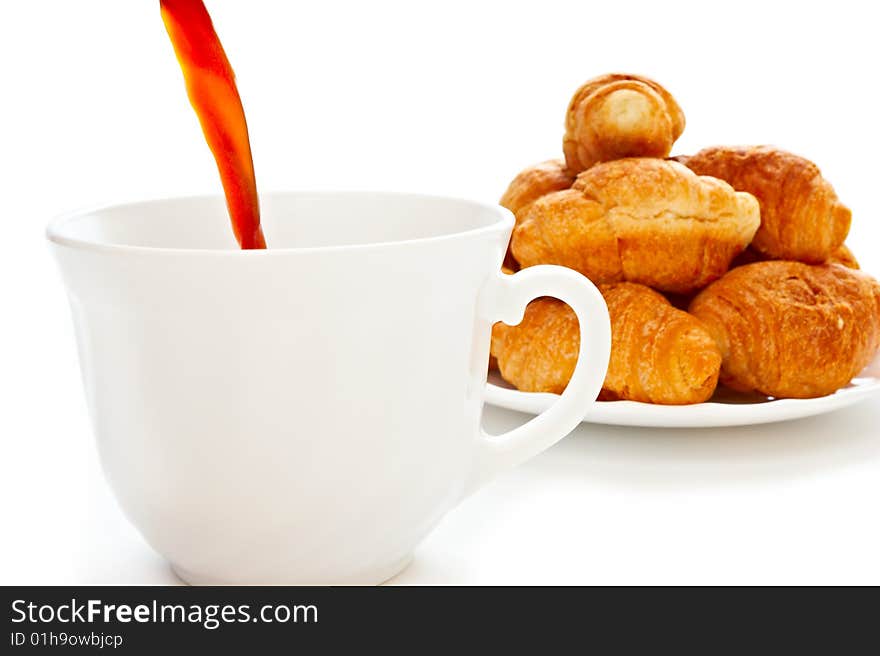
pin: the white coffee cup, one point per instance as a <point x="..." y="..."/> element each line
<point x="305" y="414"/>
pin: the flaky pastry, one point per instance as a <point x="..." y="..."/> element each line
<point x="617" y="115"/>
<point x="658" y="354"/>
<point x="789" y="329"/>
<point x="843" y="256"/>
<point x="641" y="220"/>
<point x="529" y="185"/>
<point x="536" y="181"/>
<point x="801" y="217"/>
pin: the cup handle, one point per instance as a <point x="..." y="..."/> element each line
<point x="504" y="298"/>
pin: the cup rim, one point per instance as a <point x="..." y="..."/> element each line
<point x="504" y="220"/>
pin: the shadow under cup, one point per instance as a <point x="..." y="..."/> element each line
<point x="304" y="414"/>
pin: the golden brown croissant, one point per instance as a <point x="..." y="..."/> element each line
<point x="658" y="354"/>
<point x="536" y="181"/>
<point x="641" y="220"/>
<point x="539" y="353"/>
<point x="788" y="329"/>
<point x="843" y="256"/>
<point x="617" y="115"/>
<point x="529" y="185"/>
<point x="801" y="216"/>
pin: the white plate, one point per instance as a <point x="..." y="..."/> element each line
<point x="726" y="408"/>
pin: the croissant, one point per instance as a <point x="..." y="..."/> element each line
<point x="658" y="354"/>
<point x="801" y="216"/>
<point x="843" y="256"/>
<point x="640" y="220"/>
<point x="789" y="329"/>
<point x="536" y="181"/>
<point x="617" y="115"/>
<point x="529" y="185"/>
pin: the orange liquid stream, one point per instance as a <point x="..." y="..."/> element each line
<point x="210" y="85"/>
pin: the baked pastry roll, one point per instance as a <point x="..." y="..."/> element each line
<point x="536" y="181"/>
<point x="845" y="257"/>
<point x="789" y="329"/>
<point x="617" y="115"/>
<point x="801" y="217"/>
<point x="658" y="354"/>
<point x="529" y="185"/>
<point x="639" y="220"/>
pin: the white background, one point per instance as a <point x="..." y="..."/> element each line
<point x="448" y="98"/>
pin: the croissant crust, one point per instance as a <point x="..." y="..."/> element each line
<point x="843" y="256"/>
<point x="658" y="354"/>
<point x="536" y="181"/>
<point x="528" y="186"/>
<point x="616" y="116"/>
<point x="801" y="217"/>
<point x="639" y="220"/>
<point x="789" y="329"/>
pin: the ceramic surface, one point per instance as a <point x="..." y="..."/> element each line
<point x="305" y="414"/>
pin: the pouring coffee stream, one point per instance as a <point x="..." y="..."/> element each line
<point x="210" y="85"/>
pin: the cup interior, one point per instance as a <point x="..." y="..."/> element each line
<point x="291" y="220"/>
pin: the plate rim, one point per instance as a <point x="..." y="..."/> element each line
<point x="709" y="414"/>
